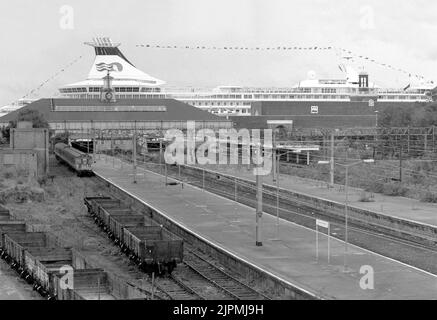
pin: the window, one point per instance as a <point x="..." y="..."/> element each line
<point x="149" y="108"/>
<point x="329" y="90"/>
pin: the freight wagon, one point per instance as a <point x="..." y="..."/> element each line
<point x="98" y="208"/>
<point x="15" y="245"/>
<point x="89" y="202"/>
<point x="152" y="248"/>
<point x="117" y="223"/>
<point x="39" y="260"/>
<point x="4" y="214"/>
<point x="32" y="255"/>
<point x="77" y="160"/>
<point x="46" y="268"/>
<point x="89" y="284"/>
<point x="10" y="226"/>
<point x="104" y="212"/>
<point x="41" y="263"/>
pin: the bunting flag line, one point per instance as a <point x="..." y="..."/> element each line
<point x="282" y="48"/>
<point x="55" y="75"/>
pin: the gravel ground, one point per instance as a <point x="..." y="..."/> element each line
<point x="13" y="287"/>
<point x="63" y="213"/>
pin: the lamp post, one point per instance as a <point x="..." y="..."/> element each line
<point x="134" y="157"/>
<point x="259" y="198"/>
<point x="376" y="118"/>
<point x="346" y="205"/>
<point x="276" y="159"/>
<point x="274" y="150"/>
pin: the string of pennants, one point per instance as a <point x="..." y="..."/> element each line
<point x="284" y="48"/>
<point x="229" y="47"/>
<point x="386" y="65"/>
<point x="55" y="75"/>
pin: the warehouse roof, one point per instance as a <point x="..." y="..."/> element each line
<point x="55" y="110"/>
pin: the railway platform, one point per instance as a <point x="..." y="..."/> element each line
<point x="399" y="207"/>
<point x="231" y="227"/>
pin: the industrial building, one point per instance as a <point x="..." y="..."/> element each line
<point x="84" y="115"/>
<point x="317" y="114"/>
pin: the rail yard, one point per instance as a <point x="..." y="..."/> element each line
<point x="127" y="225"/>
<point x="236" y="188"/>
<point x="120" y="246"/>
<point x="196" y="276"/>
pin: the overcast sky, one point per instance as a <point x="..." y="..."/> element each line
<point x="38" y="39"/>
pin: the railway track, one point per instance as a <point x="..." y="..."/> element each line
<point x="392" y="246"/>
<point x="175" y="289"/>
<point x="198" y="274"/>
<point x="191" y="277"/>
<point x="232" y="287"/>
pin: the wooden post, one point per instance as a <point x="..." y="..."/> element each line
<point x="112" y="150"/>
<point x="426" y="142"/>
<point x="166" y="174"/>
<point x="98" y="287"/>
<point x="400" y="163"/>
<point x="433" y="139"/>
<point x="160" y="156"/>
<point x="259" y="209"/>
<point x="134" y="155"/>
<point x="153" y="285"/>
<point x="274" y="157"/>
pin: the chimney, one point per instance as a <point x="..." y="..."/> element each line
<point x="363" y="81"/>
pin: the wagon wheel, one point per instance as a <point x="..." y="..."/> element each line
<point x="170" y="267"/>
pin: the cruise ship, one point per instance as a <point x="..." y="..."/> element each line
<point x="15" y="105"/>
<point x="131" y="83"/>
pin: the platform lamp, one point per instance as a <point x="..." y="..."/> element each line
<point x="346" y="204"/>
<point x="277" y="156"/>
<point x="134" y="154"/>
<point x="259" y="198"/>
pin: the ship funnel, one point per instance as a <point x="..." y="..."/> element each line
<point x="363" y="81"/>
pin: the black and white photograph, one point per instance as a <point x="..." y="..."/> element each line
<point x="218" y="159"/>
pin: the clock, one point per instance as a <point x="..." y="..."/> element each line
<point x="109" y="95"/>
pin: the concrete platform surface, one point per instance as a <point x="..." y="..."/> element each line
<point x="400" y="207"/>
<point x="231" y="226"/>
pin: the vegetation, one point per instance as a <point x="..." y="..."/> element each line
<point x="419" y="174"/>
<point x="418" y="115"/>
<point x="418" y="157"/>
<point x="60" y="137"/>
<point x="33" y="116"/>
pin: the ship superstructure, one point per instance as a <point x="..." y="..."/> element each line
<point x="129" y="82"/>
